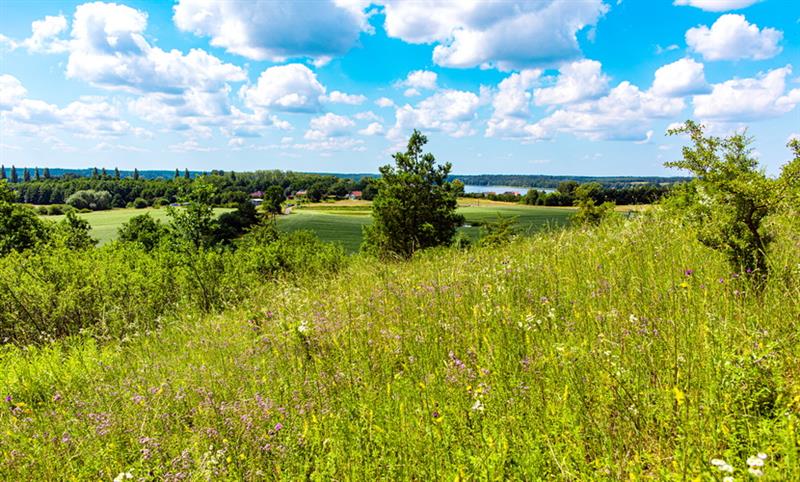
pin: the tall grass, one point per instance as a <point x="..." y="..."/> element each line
<point x="626" y="351"/>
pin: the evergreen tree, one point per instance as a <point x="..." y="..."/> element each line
<point x="104" y="173"/>
<point x="415" y="207"/>
<point x="135" y="174"/>
<point x="186" y="174"/>
<point x="36" y="175"/>
<point x="95" y="174"/>
<point x="26" y="175"/>
<point x="46" y="173"/>
<point x="14" y="178"/>
<point x="177" y="174"/>
<point x="2" y="172"/>
<point x="116" y="173"/>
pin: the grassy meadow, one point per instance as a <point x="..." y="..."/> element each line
<point x="629" y="351"/>
<point x="341" y="222"/>
<point x="106" y="223"/>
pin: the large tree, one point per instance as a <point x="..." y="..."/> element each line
<point x="415" y="207"/>
<point x="20" y="227"/>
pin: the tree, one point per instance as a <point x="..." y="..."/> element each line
<point x="415" y="207"/>
<point x="95" y="174"/>
<point x="46" y="173"/>
<point x="36" y="175"/>
<point x="316" y="191"/>
<point x="14" y="179"/>
<point x="143" y="229"/>
<point x="89" y="199"/>
<point x="186" y="174"/>
<point x="729" y="198"/>
<point x="73" y="232"/>
<point x="177" y="174"/>
<point x="273" y="199"/>
<point x="103" y="173"/>
<point x="116" y="173"/>
<point x="2" y="172"/>
<point x="135" y="174"/>
<point x="26" y="175"/>
<point x="20" y="227"/>
<point x="195" y="224"/>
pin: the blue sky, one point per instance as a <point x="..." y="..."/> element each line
<point x="549" y="86"/>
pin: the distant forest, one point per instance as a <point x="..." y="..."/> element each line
<point x="542" y="181"/>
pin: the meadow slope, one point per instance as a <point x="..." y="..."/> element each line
<point x="580" y="354"/>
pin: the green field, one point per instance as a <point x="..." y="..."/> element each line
<point x="106" y="223"/>
<point x="342" y="224"/>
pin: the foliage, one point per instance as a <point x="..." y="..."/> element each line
<point x="72" y="232"/>
<point x="589" y="213"/>
<point x="499" y="232"/>
<point x="89" y="199"/>
<point x="273" y="200"/>
<point x="144" y="230"/>
<point x="20" y="227"/>
<point x="607" y="354"/>
<point x="415" y="207"/>
<point x="732" y="197"/>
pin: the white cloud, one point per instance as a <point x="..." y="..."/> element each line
<point x="420" y="79"/>
<point x="44" y="36"/>
<point x="11" y="91"/>
<point x="511" y="104"/>
<point x="717" y="5"/>
<point x="342" y="98"/>
<point x="680" y="78"/>
<point x="328" y="125"/>
<point x="368" y="115"/>
<point x="624" y="114"/>
<point x="748" y="99"/>
<point x="577" y="81"/>
<point x="450" y="111"/>
<point x="731" y="37"/>
<point x="95" y="119"/>
<point x="507" y="35"/>
<point x="276" y="31"/>
<point x="385" y="102"/>
<point x="373" y="129"/>
<point x="290" y="88"/>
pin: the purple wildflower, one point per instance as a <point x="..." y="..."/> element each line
<point x="278" y="427"/>
<point x="688" y="272"/>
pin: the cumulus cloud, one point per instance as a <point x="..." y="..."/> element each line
<point x="507" y="35"/>
<point x="22" y="115"/>
<point x="342" y="98"/>
<point x="511" y="104"/>
<point x="276" y="31"/>
<point x="680" y="78"/>
<point x="420" y="79"/>
<point x="717" y="5"/>
<point x="44" y="36"/>
<point x="385" y="102"/>
<point x="731" y="37"/>
<point x="328" y="125"/>
<point x="577" y="81"/>
<point x="450" y="111"/>
<point x="108" y="49"/>
<point x="624" y="114"/>
<point x="374" y="128"/>
<point x="748" y="99"/>
<point x="290" y="88"/>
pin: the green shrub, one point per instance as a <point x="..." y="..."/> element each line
<point x="140" y="203"/>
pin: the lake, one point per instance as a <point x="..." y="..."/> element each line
<point x="469" y="189"/>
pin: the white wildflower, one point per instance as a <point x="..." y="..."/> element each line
<point x="303" y="327"/>
<point x="755" y="472"/>
<point x="123" y="476"/>
<point x="755" y="461"/>
<point x="477" y="406"/>
<point x="762" y="456"/>
<point x="727" y="479"/>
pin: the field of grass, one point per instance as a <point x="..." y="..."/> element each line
<point x="106" y="223"/>
<point x="342" y="222"/>
<point x="624" y="352"/>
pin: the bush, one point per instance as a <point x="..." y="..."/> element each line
<point x="140" y="203"/>
<point x="90" y="200"/>
<point x="42" y="211"/>
<point x="144" y="230"/>
<point x="58" y="209"/>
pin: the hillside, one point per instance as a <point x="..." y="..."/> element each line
<point x="629" y="350"/>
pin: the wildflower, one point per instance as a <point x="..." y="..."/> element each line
<point x="278" y="427"/>
<point x="477" y="406"/>
<point x="756" y="461"/>
<point x="123" y="476"/>
<point x="727" y="479"/>
<point x="688" y="272"/>
<point x="9" y="398"/>
<point x="722" y="466"/>
<point x="755" y="472"/>
<point x="303" y="327"/>
<point x="762" y="456"/>
<point x="684" y="285"/>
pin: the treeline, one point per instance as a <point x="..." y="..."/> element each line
<point x="552" y="182"/>
<point x="566" y="194"/>
<point x="230" y="187"/>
